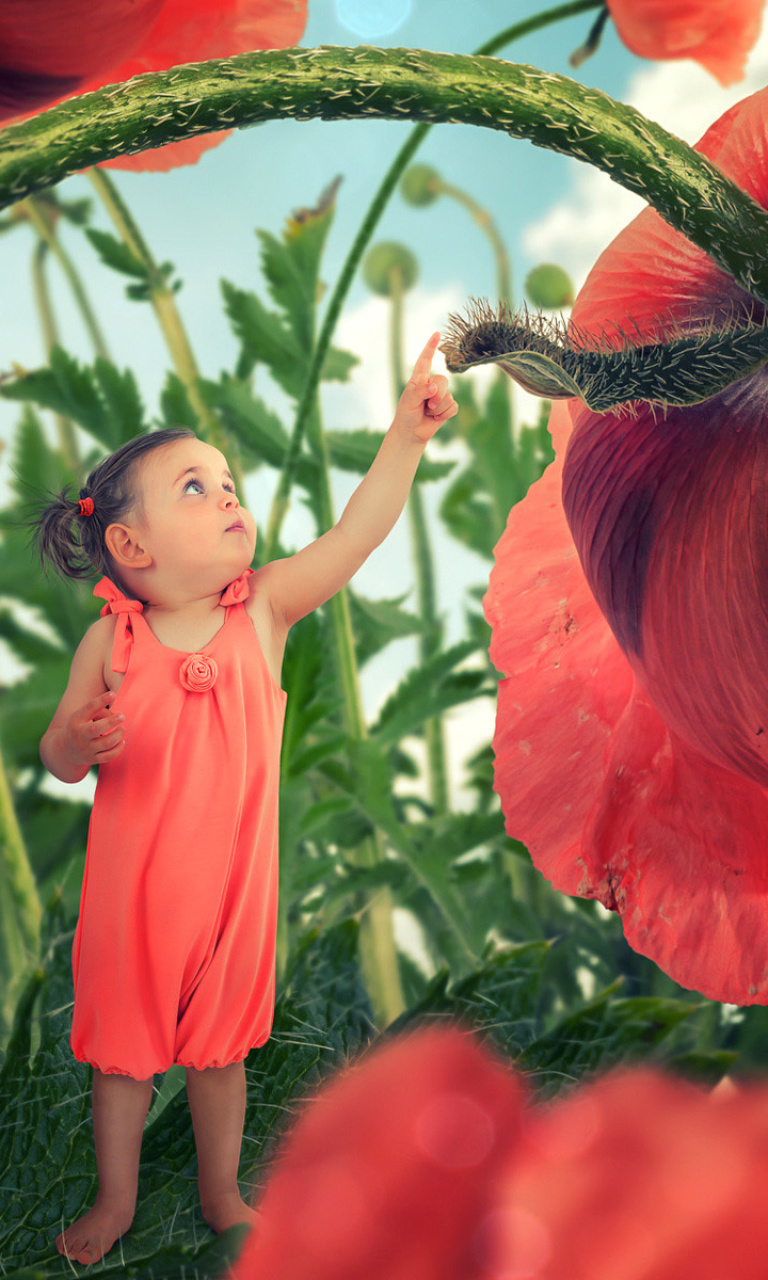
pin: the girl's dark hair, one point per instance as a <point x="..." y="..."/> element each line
<point x="72" y="541"/>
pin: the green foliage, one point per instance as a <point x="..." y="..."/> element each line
<point x="485" y="939"/>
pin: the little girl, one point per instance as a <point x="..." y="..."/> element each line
<point x="175" y="694"/>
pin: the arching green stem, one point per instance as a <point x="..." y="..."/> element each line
<point x="551" y="111"/>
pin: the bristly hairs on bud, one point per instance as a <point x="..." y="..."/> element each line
<point x="556" y="360"/>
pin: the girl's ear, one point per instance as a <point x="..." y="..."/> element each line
<point x="126" y="548"/>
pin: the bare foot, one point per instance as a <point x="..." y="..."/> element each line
<point x="93" y="1235"/>
<point x="227" y="1210"/>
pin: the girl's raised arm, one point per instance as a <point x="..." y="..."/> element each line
<point x="300" y="583"/>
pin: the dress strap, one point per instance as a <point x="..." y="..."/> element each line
<point x="120" y="605"/>
<point x="237" y="591"/>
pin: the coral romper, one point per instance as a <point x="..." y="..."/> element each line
<point x="174" y="951"/>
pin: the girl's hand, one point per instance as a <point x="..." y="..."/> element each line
<point x="426" y="402"/>
<point x="94" y="734"/>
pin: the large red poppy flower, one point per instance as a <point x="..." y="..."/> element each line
<point x="50" y="49"/>
<point x="428" y="1162"/>
<point x="716" y="33"/>
<point x="629" y="606"/>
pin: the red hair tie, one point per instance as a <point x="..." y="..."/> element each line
<point x="86" y="506"/>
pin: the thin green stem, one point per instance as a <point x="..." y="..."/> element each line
<point x="164" y="304"/>
<point x="484" y="220"/>
<point x="64" y="427"/>
<point x="387" y="187"/>
<point x="430" y="638"/>
<point x="46" y="230"/>
<point x="20" y="910"/>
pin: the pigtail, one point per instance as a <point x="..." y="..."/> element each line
<point x="68" y="537"/>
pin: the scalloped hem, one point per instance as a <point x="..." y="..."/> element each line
<point x="215" y="1064"/>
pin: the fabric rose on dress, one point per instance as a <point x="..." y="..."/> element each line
<point x="427" y="1161"/>
<point x="388" y="1175"/>
<point x="51" y="49"/>
<point x="716" y="33"/>
<point x="198" y="673"/>
<point x="629" y="616"/>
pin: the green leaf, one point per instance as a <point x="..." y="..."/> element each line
<point x="607" y="1031"/>
<point x="102" y="399"/>
<point x="47" y="1167"/>
<point x="266" y="338"/>
<point x="376" y="623"/>
<point x="428" y="690"/>
<point x="338" y="365"/>
<point x="115" y="253"/>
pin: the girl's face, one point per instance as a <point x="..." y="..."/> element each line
<point x="191" y="522"/>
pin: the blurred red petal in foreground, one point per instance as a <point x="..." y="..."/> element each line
<point x="718" y="34"/>
<point x="629" y="616"/>
<point x="427" y="1162"/>
<point x="639" y="1177"/>
<point x="52" y="49"/>
<point x="389" y="1172"/>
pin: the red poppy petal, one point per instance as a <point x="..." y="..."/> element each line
<point x="567" y="682"/>
<point x="640" y="1177"/>
<point x="74" y="46"/>
<point x="718" y="34"/>
<point x="389" y="1175"/>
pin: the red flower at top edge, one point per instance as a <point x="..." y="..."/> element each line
<point x="52" y="49"/>
<point x="718" y="34"/>
<point x="630" y="617"/>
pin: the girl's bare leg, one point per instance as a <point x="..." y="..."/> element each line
<point x="217" y="1104"/>
<point x="120" y="1106"/>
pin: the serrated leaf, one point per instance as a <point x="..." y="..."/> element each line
<point x="376" y="623"/>
<point x="355" y="451"/>
<point x="338" y="365"/>
<point x="266" y="338"/>
<point x="116" y="254"/>
<point x="257" y="428"/>
<point x="104" y="401"/>
<point x="47" y="1168"/>
<point x="428" y="690"/>
<point x="609" y="1030"/>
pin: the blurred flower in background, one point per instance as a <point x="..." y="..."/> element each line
<point x="52" y="49"/>
<point x="718" y="34"/>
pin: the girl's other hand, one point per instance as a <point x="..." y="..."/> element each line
<point x="94" y="734"/>
<point x="426" y="402"/>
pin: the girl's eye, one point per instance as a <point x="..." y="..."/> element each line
<point x="193" y="485"/>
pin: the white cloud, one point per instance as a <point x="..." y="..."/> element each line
<point x="682" y="98"/>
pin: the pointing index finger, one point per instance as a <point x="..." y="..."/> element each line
<point x="423" y="364"/>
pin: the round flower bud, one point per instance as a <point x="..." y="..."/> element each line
<point x="381" y="264"/>
<point x="420" y="185"/>
<point x="549" y="286"/>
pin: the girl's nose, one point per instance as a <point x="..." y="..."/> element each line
<point x="230" y="499"/>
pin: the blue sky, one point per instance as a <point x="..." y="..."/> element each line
<point x="203" y="219"/>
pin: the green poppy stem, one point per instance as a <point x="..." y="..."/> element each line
<point x="47" y="233"/>
<point x="163" y="301"/>
<point x="387" y="187"/>
<point x="20" y="910"/>
<point x="64" y="426"/>
<point x="430" y="638"/>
